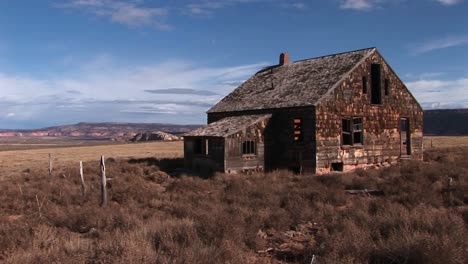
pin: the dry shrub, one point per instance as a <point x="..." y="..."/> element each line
<point x="154" y="218"/>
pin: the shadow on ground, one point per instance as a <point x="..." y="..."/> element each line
<point x="171" y="166"/>
<point x="175" y="166"/>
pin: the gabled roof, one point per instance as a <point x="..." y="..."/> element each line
<point x="227" y="126"/>
<point x="301" y="83"/>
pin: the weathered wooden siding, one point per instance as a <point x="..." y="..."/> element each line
<point x="380" y="122"/>
<point x="280" y="149"/>
<point x="214" y="152"/>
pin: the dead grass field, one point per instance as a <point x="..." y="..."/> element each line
<point x="273" y="218"/>
<point x="15" y="157"/>
<point x="13" y="162"/>
<point x="445" y="142"/>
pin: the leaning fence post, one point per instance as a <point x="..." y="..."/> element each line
<point x="50" y="164"/>
<point x="103" y="183"/>
<point x="83" y="185"/>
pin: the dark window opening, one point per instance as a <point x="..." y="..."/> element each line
<point x="405" y="136"/>
<point x="376" y="83"/>
<point x="387" y="87"/>
<point x="364" y="85"/>
<point x="248" y="147"/>
<point x="298" y="135"/>
<point x="403" y="124"/>
<point x="198" y="146"/>
<point x="352" y="131"/>
<point x="346" y="132"/>
<point x="337" y="166"/>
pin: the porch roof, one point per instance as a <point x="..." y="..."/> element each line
<point x="227" y="126"/>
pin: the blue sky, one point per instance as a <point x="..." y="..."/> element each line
<point x="66" y="61"/>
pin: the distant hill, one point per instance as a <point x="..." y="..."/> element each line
<point x="99" y="130"/>
<point x="441" y="122"/>
<point x="154" y="136"/>
<point x="446" y="122"/>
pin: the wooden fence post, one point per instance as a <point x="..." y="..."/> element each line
<point x="103" y="183"/>
<point x="449" y="189"/>
<point x="83" y="185"/>
<point x="50" y="164"/>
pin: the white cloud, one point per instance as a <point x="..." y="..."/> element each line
<point x="443" y="43"/>
<point x="358" y="4"/>
<point x="118" y="94"/>
<point x="449" y="2"/>
<point x="298" y="5"/>
<point x="433" y="93"/>
<point x="126" y="13"/>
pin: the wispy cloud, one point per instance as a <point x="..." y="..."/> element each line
<point x="181" y="91"/>
<point x="435" y="93"/>
<point x="205" y="8"/>
<point x="359" y="4"/>
<point x="449" y="2"/>
<point x="443" y="43"/>
<point x="118" y="94"/>
<point x="132" y="14"/>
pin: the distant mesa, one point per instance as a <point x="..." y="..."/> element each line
<point x="446" y="122"/>
<point x="109" y="131"/>
<point x="154" y="136"/>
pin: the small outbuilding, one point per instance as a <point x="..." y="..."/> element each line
<point x="330" y="113"/>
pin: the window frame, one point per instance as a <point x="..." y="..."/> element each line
<point x="350" y="127"/>
<point x="248" y="147"/>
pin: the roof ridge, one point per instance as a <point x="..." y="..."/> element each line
<point x="334" y="54"/>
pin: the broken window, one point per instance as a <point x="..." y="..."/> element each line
<point x="387" y="86"/>
<point x="376" y="84"/>
<point x="357" y="130"/>
<point x="248" y="147"/>
<point x="364" y="84"/>
<point x="346" y="132"/>
<point x="352" y="131"/>
<point x="298" y="136"/>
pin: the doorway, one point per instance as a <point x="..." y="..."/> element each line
<point x="405" y="137"/>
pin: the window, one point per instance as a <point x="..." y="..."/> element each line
<point x="298" y="136"/>
<point x="387" y="86"/>
<point x="376" y="83"/>
<point x="364" y="85"/>
<point x="198" y="147"/>
<point x="352" y="131"/>
<point x="346" y="132"/>
<point x="248" y="147"/>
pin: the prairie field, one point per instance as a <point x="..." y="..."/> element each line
<point x="155" y="216"/>
<point x="13" y="162"/>
<point x="445" y="141"/>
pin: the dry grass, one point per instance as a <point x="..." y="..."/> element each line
<point x="445" y="141"/>
<point x="14" y="162"/>
<point x="154" y="218"/>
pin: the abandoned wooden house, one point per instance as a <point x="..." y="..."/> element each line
<point x="331" y="113"/>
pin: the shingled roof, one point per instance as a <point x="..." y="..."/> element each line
<point x="301" y="83"/>
<point x="227" y="126"/>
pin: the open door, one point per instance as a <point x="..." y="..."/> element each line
<point x="405" y="137"/>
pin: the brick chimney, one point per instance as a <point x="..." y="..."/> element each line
<point x="284" y="59"/>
